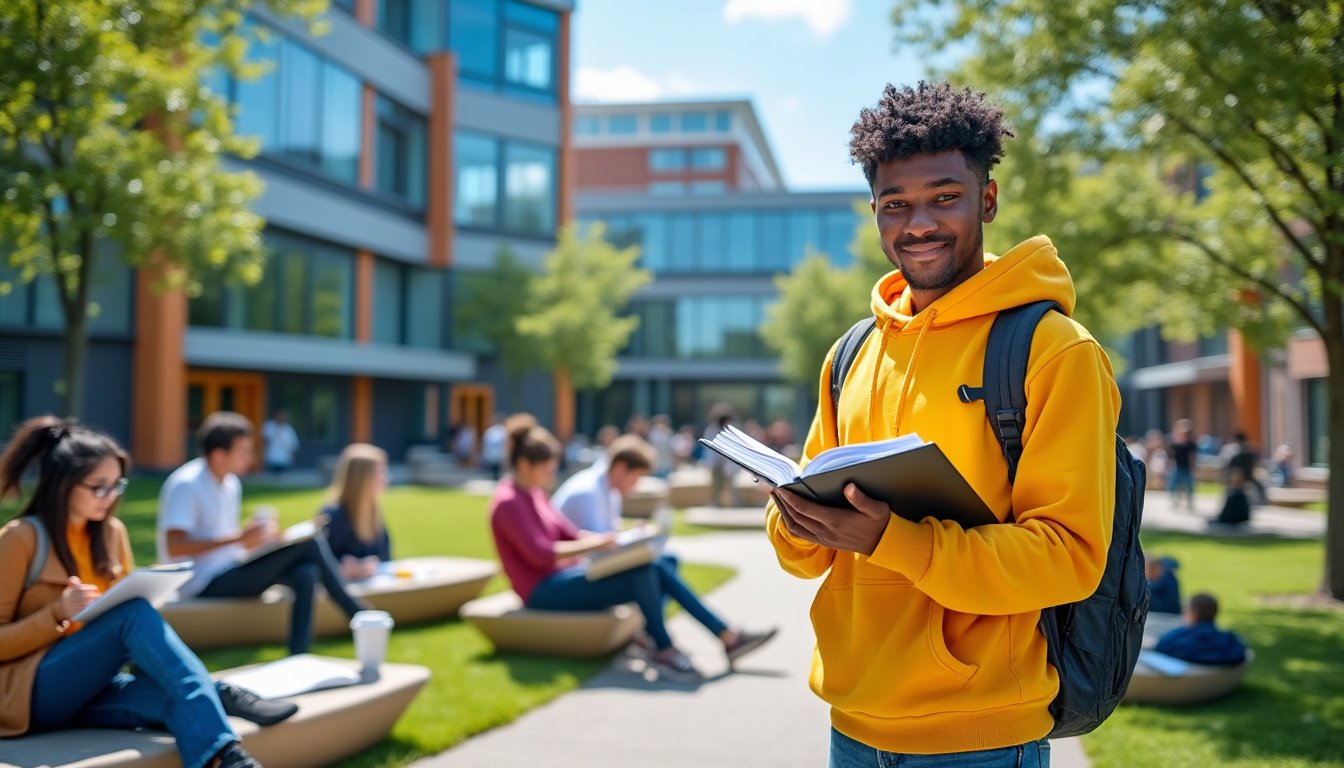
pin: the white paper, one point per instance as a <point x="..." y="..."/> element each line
<point x="294" y="675"/>
<point x="155" y="584"/>
<point x="1161" y="663"/>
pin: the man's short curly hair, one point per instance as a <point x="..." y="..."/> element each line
<point x="925" y="120"/>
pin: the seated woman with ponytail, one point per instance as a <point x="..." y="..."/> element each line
<point x="55" y="673"/>
<point x="540" y="550"/>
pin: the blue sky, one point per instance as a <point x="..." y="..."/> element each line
<point x="809" y="66"/>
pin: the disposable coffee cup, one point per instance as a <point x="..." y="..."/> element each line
<point x="371" y="630"/>
<point x="264" y="513"/>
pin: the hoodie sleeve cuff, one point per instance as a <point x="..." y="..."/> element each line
<point x="905" y="547"/>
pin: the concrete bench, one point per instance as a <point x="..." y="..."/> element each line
<point x="1294" y="497"/>
<point x="649" y="495"/>
<point x="750" y="518"/>
<point x="436" y="589"/>
<point x="1199" y="683"/>
<point x="510" y="626"/>
<point x="688" y="489"/>
<point x="330" y="725"/>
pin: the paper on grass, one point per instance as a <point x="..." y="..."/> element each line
<point x="155" y="584"/>
<point x="293" y="675"/>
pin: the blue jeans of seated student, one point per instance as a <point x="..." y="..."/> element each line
<point x="848" y="753"/>
<point x="301" y="567"/>
<point x="648" y="586"/>
<point x="80" y="683"/>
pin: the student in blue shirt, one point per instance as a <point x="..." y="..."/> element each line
<point x="1200" y="641"/>
<point x="1164" y="590"/>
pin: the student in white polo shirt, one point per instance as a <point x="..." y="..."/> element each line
<point x="200" y="510"/>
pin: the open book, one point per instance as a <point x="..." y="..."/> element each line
<point x="292" y="535"/>
<point x="913" y="477"/>
<point x="155" y="584"/>
<point x="634" y="547"/>
<point x="294" y="675"/>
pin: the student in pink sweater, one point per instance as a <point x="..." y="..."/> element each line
<point x="541" y="553"/>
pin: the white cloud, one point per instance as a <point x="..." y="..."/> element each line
<point x="823" y="16"/>
<point x="624" y="83"/>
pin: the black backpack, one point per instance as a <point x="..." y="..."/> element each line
<point x="1092" y="644"/>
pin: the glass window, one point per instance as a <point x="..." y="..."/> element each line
<point x="331" y="294"/>
<point x="300" y="73"/>
<point x="587" y="125"/>
<point x="694" y="122"/>
<point x="529" y="59"/>
<point x="473" y="27"/>
<point x="837" y="233"/>
<point x="622" y="125"/>
<point x="387" y="305"/>
<point x="14" y="304"/>
<point x="660" y="122"/>
<point x="313" y="407"/>
<point x="773" y="252"/>
<point x="804" y="234"/>
<point x="259" y="99"/>
<point x="681" y="243"/>
<point x="709" y="158"/>
<point x="529" y="189"/>
<point x="741" y="242"/>
<point x="667" y="159"/>
<point x="654" y="228"/>
<point x="417" y="24"/>
<point x="689" y="316"/>
<point x="713" y="250"/>
<point x="401" y="154"/>
<point x="293" y="285"/>
<point x="424" y="308"/>
<point x="708" y="187"/>
<point x="342" y="101"/>
<point x="667" y="187"/>
<point x="110" y="291"/>
<point x="723" y="121"/>
<point x="477" y="197"/>
<point x="527" y="15"/>
<point x="11" y="401"/>
<point x="1318" y="433"/>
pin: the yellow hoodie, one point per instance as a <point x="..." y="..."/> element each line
<point x="930" y="645"/>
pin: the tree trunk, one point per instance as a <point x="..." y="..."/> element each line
<point x="76" y="352"/>
<point x="1334" y="505"/>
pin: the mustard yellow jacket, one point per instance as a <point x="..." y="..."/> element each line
<point x="930" y="645"/>
<point x="28" y="624"/>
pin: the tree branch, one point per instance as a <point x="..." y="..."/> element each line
<point x="1240" y="271"/>
<point x="1231" y="163"/>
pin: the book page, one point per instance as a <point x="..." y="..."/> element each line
<point x="155" y="584"/>
<point x="291" y="535"/>
<point x="754" y="456"/>
<point x="858" y="453"/>
<point x="294" y="675"/>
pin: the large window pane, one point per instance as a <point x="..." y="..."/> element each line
<point x="331" y="293"/>
<point x="341" y="109"/>
<point x="587" y="125"/>
<point x="259" y="99"/>
<point x="293" y="291"/>
<point x="111" y="290"/>
<point x="622" y="125"/>
<point x="713" y="250"/>
<point x="708" y="158"/>
<point x="723" y="121"/>
<point x="694" y="122"/>
<point x="301" y="94"/>
<point x="473" y="27"/>
<point x="774" y="256"/>
<point x="1318" y="433"/>
<point x="741" y="244"/>
<point x="14" y="304"/>
<point x="654" y="255"/>
<point x="838" y="231"/>
<point x="424" y="308"/>
<point x="418" y="24"/>
<point x="477" y="198"/>
<point x="529" y="59"/>
<point x="387" y="305"/>
<point x="660" y="122"/>
<point x="681" y="243"/>
<point x="402" y="153"/>
<point x="529" y="184"/>
<point x="804" y="234"/>
<point x="667" y="159"/>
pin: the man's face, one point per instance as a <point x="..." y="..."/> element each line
<point x="239" y="457"/>
<point x="622" y="479"/>
<point x="930" y="212"/>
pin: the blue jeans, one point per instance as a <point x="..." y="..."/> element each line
<point x="648" y="586"/>
<point x="80" y="683"/>
<point x="1181" y="480"/>
<point x="848" y="753"/>
<point x="301" y="567"/>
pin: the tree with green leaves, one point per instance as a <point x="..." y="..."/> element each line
<point x="574" y="311"/>
<point x="108" y="133"/>
<point x="488" y="308"/>
<point x="1249" y="91"/>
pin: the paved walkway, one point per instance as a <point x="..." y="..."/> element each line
<point x="1159" y="514"/>
<point x="762" y="714"/>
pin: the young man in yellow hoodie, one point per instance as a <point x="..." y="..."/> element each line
<point x="926" y="633"/>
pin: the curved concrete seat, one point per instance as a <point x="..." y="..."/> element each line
<point x="511" y="626"/>
<point x="436" y="589"/>
<point x="330" y="725"/>
<point x="688" y="489"/>
<point x="751" y="518"/>
<point x="649" y="495"/>
<point x="1198" y="683"/>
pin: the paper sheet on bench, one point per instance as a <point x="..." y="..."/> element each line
<point x="155" y="584"/>
<point x="1161" y="663"/>
<point x="294" y="675"/>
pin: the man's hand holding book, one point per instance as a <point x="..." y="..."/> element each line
<point x="834" y="527"/>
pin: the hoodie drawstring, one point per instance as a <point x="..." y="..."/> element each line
<point x="909" y="372"/>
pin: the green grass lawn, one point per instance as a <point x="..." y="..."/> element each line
<point x="1290" y="710"/>
<point x="472" y="688"/>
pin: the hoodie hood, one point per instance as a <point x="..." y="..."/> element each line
<point x="1030" y="271"/>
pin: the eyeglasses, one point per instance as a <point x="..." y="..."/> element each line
<point x="103" y="490"/>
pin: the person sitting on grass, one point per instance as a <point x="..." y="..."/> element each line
<point x="1237" y="506"/>
<point x="65" y="549"/>
<point x="541" y="551"/>
<point x="1200" y="641"/>
<point x="1164" y="590"/>
<point x="353" y="519"/>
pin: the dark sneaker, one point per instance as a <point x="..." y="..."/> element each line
<point x="240" y="702"/>
<point x="234" y="756"/>
<point x="747" y="642"/>
<point x="671" y="664"/>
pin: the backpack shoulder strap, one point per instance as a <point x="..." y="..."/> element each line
<point x="1005" y="376"/>
<point x="39" y="560"/>
<point x="845" y="351"/>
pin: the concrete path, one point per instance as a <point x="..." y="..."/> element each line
<point x="1159" y="514"/>
<point x="761" y="714"/>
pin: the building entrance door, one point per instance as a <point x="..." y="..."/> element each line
<point x="210" y="391"/>
<point x="471" y="405"/>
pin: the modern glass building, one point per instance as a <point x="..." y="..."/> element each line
<point x="400" y="149"/>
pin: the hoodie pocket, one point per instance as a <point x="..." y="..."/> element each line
<point x="938" y="643"/>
